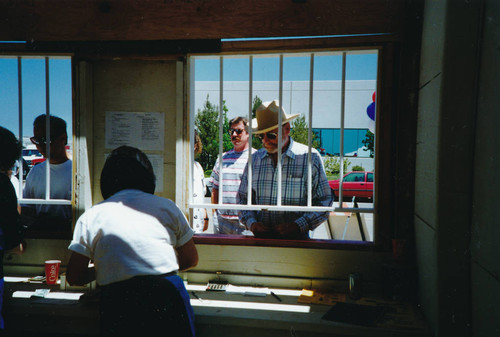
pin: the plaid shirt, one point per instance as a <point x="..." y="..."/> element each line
<point x="293" y="188"/>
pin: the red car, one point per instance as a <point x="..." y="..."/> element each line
<point x="355" y="184"/>
<point x="37" y="161"/>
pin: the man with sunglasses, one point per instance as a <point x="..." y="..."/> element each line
<point x="294" y="180"/>
<point x="50" y="217"/>
<point x="233" y="164"/>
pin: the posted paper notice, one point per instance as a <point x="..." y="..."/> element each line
<point x="144" y="130"/>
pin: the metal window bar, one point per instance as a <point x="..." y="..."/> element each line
<point x="375" y="133"/>
<point x="20" y="118"/>
<point x="221" y="126"/>
<point x="47" y="129"/>
<point x="342" y="122"/>
<point x="47" y="200"/>
<point x="191" y="156"/>
<point x="309" y="133"/>
<point x="280" y="131"/>
<point x="191" y="133"/>
<point x="250" y="128"/>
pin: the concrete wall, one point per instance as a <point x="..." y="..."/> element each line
<point x="135" y="86"/>
<point x="485" y="224"/>
<point x="427" y="164"/>
<point x="455" y="177"/>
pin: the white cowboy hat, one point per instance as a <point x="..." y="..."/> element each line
<point x="267" y="117"/>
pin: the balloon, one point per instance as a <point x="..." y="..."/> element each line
<point x="371" y="111"/>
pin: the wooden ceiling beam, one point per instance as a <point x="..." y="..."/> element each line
<point x="132" y="20"/>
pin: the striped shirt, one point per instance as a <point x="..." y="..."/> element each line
<point x="233" y="165"/>
<point x="293" y="188"/>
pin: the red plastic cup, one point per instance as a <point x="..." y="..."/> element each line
<point x="52" y="271"/>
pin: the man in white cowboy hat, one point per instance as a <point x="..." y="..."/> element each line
<point x="294" y="185"/>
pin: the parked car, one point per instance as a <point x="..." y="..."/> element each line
<point x="32" y="156"/>
<point x="355" y="184"/>
<point x="37" y="161"/>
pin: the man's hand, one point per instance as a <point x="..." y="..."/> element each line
<point x="262" y="231"/>
<point x="288" y="230"/>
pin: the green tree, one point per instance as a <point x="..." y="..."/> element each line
<point x="332" y="165"/>
<point x="256" y="142"/>
<point x="207" y="124"/>
<point x="255" y="104"/>
<point x="369" y="142"/>
<point x="300" y="132"/>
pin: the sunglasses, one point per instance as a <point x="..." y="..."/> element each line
<point x="238" y="131"/>
<point x="41" y="140"/>
<point x="269" y="135"/>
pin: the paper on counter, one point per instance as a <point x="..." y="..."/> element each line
<point x="247" y="291"/>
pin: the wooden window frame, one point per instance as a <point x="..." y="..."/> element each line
<point x="31" y="234"/>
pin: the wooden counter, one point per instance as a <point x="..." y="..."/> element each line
<point x="217" y="314"/>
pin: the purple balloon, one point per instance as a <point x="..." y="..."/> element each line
<point x="371" y="111"/>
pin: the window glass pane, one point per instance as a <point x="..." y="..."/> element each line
<point x="354" y="177"/>
<point x="361" y="84"/>
<point x="341" y="115"/>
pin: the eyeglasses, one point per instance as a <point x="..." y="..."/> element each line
<point x="238" y="131"/>
<point x="270" y="135"/>
<point x="42" y="140"/>
<point x="39" y="140"/>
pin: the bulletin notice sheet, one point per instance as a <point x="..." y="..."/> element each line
<point x="144" y="130"/>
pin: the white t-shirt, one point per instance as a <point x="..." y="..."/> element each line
<point x="60" y="187"/>
<point x="129" y="234"/>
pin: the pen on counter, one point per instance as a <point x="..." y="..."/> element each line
<point x="276" y="296"/>
<point x="196" y="296"/>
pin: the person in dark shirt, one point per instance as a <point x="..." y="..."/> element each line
<point x="11" y="232"/>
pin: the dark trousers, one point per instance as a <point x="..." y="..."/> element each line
<point x="145" y="305"/>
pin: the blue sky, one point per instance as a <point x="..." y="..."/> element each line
<point x="358" y="67"/>
<point x="327" y="67"/>
<point x="33" y="84"/>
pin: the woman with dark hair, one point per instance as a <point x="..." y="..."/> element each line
<point x="11" y="232"/>
<point x="137" y="242"/>
<point x="200" y="216"/>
